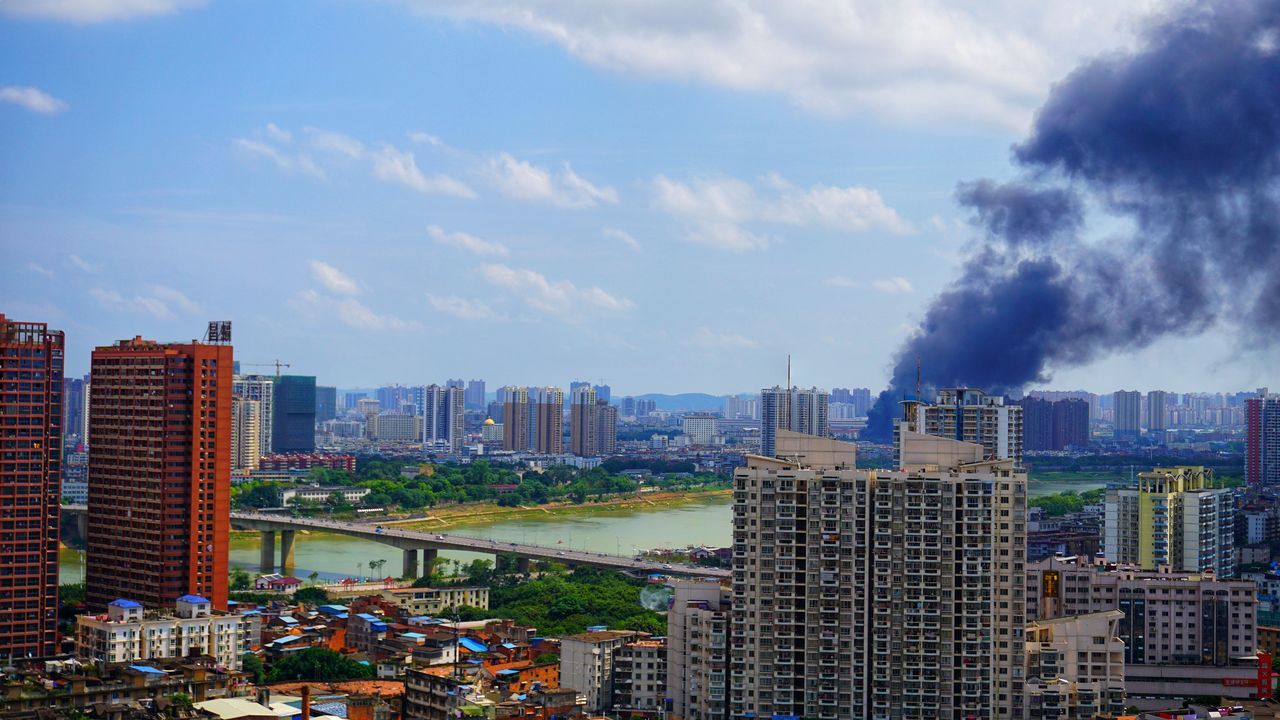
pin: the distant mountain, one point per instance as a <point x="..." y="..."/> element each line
<point x="701" y="402"/>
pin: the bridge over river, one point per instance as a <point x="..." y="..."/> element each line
<point x="420" y="545"/>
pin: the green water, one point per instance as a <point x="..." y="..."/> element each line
<point x="613" y="531"/>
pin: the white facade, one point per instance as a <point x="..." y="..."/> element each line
<point x="442" y="410"/>
<point x="701" y="429"/>
<point x="698" y="649"/>
<point x="127" y="633"/>
<point x="262" y="389"/>
<point x="586" y="664"/>
<point x="1075" y="667"/>
<point x="313" y="493"/>
<point x="246" y="433"/>
<point x="394" y="427"/>
<point x="970" y="415"/>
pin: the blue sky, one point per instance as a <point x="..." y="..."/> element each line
<point x="662" y="197"/>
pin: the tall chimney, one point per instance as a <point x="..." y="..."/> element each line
<point x="306" y="702"/>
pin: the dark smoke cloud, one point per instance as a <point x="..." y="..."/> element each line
<point x="1177" y="144"/>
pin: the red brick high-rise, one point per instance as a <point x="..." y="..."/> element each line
<point x="30" y="487"/>
<point x="159" y="472"/>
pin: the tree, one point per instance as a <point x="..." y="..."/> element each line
<point x="313" y="595"/>
<point x="240" y="579"/>
<point x="253" y="665"/>
<point x="546" y="658"/>
<point x="318" y="664"/>
<point x="180" y="704"/>
<point x="313" y="577"/>
<point x="375" y="567"/>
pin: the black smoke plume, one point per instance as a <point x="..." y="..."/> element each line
<point x="1174" y="151"/>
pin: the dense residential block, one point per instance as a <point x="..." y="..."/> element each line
<point x="31" y="386"/>
<point x="1172" y="518"/>
<point x="968" y="415"/>
<point x="130" y="633"/>
<point x="159" y="473"/>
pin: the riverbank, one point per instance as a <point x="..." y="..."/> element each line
<point x="488" y="513"/>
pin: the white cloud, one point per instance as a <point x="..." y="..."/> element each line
<point x="707" y="338"/>
<point x="162" y="303"/>
<point x="426" y="139"/>
<point x="719" y="207"/>
<point x="523" y="180"/>
<point x="332" y="278"/>
<point x="400" y="166"/>
<point x="890" y="285"/>
<point x="926" y="61"/>
<point x="335" y="142"/>
<point x="32" y="98"/>
<point x="276" y="133"/>
<point x="81" y="264"/>
<point x="358" y="315"/>
<point x="288" y="162"/>
<point x="623" y="237"/>
<point x="92" y="11"/>
<point x="462" y="307"/>
<point x="38" y="268"/>
<point x="470" y="243"/>
<point x="561" y="298"/>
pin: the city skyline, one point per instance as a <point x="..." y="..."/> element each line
<point x="275" y="199"/>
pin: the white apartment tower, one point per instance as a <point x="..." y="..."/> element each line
<point x="246" y="433"/>
<point x="969" y="415"/>
<point x="442" y="410"/>
<point x="262" y="389"/>
<point x="1172" y="519"/>
<point x="878" y="594"/>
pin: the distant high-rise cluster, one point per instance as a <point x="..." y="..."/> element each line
<point x="858" y="400"/>
<point x="1127" y="409"/>
<point x="533" y="419"/>
<point x="473" y="397"/>
<point x="795" y="409"/>
<point x="1054" y="425"/>
<point x="1172" y="519"/>
<point x="31" y="386"/>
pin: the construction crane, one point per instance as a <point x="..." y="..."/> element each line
<point x="277" y="364"/>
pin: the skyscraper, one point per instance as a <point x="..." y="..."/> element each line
<point x="972" y="416"/>
<point x="860" y="592"/>
<point x="442" y="410"/>
<point x="1171" y="518"/>
<point x="1157" y="406"/>
<point x="1262" y="439"/>
<point x="606" y="422"/>
<point x="293" y="416"/>
<point x="31" y="387"/>
<point x="1037" y="424"/>
<point x="1128" y="414"/>
<point x="548" y="425"/>
<point x="326" y="403"/>
<point x="246" y="433"/>
<point x="260" y="388"/>
<point x="159" y="473"/>
<point x="698" y="649"/>
<point x="582" y="426"/>
<point x="794" y="409"/>
<point x="515" y="418"/>
<point x="474" y="397"/>
<point x="73" y="406"/>
<point x="603" y="392"/>
<point x="1070" y="424"/>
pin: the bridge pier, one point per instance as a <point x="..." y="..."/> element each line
<point x="82" y="526"/>
<point x="522" y="565"/>
<point x="286" y="551"/>
<point x="410" y="564"/>
<point x="267" y="555"/>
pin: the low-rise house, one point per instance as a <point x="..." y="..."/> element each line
<point x="434" y="601"/>
<point x="276" y="582"/>
<point x="113" y="690"/>
<point x="128" y="632"/>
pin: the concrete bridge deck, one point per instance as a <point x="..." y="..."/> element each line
<point x="427" y="544"/>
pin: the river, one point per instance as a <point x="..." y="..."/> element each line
<point x="615" y="531"/>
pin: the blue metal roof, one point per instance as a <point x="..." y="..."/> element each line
<point x="147" y="669"/>
<point x="367" y="616"/>
<point x="127" y="604"/>
<point x="192" y="599"/>
<point x="473" y="645"/>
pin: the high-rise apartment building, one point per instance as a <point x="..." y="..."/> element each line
<point x="1075" y="667"/>
<point x="969" y="415"/>
<point x="1157" y="413"/>
<point x="73" y="406"/>
<point x="1037" y="424"/>
<point x="246" y="432"/>
<point x="858" y="398"/>
<point x="794" y="409"/>
<point x="31" y="357"/>
<point x="606" y="422"/>
<point x="159" y="472"/>
<point x="515" y="418"/>
<point x="326" y="403"/>
<point x="1054" y="424"/>
<point x="474" y="396"/>
<point x="548" y="423"/>
<point x="1171" y="518"/>
<point x="603" y="392"/>
<point x="1262" y="439"/>
<point x="442" y="410"/>
<point x="260" y="388"/>
<point x="293" y="414"/>
<point x="873" y="593"/>
<point x="586" y="664"/>
<point x="582" y="426"/>
<point x="645" y="407"/>
<point x="1127" y="410"/>
<point x="698" y="650"/>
